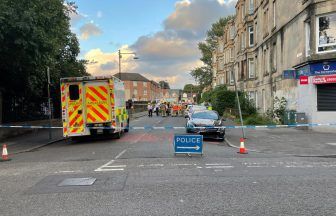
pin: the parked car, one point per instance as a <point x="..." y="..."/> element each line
<point x="192" y="109"/>
<point x="207" y="123"/>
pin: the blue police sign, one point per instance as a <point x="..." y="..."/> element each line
<point x="188" y="144"/>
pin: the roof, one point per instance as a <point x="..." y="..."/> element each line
<point x="132" y="77"/>
<point x="87" y="78"/>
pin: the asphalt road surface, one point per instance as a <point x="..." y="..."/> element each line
<point x="139" y="175"/>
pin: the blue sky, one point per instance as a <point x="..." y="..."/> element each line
<point x="163" y="33"/>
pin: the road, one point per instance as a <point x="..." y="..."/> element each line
<point x="139" y="175"/>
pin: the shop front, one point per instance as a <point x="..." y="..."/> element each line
<point x="317" y="94"/>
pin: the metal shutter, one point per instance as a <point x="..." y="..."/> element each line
<point x="326" y="97"/>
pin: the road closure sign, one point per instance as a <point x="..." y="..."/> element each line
<point x="188" y="144"/>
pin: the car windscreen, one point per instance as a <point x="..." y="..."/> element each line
<point x="205" y="115"/>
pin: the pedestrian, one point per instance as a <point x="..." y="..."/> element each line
<point x="163" y="109"/>
<point x="156" y="109"/>
<point x="150" y="110"/>
<point x="175" y="110"/>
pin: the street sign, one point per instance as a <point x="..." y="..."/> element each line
<point x="188" y="144"/>
<point x="324" y="79"/>
<point x="304" y="80"/>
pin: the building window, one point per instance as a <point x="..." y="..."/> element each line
<point x="251" y="7"/>
<point x="256" y="99"/>
<point x="265" y="62"/>
<point x="243" y="41"/>
<point x="326" y="97"/>
<point x="274" y="14"/>
<point x="265" y="22"/>
<point x="274" y="57"/>
<point x="326" y="33"/>
<point x="251" y="36"/>
<point x="232" y="32"/>
<point x="135" y="83"/>
<point x="231" y="78"/>
<point x="251" y="95"/>
<point x="307" y="26"/>
<point x="243" y="12"/>
<point x="222" y="80"/>
<point x="145" y="84"/>
<point x="135" y="91"/>
<point x="251" y="68"/>
<point x="264" y="100"/>
<point x="145" y="92"/>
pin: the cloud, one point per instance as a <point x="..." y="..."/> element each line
<point x="106" y="63"/>
<point x="172" y="53"/>
<point x="88" y="30"/>
<point x="108" y="66"/>
<point x="99" y="14"/>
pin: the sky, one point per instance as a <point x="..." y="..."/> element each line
<point x="163" y="33"/>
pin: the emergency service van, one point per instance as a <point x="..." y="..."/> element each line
<point x="93" y="105"/>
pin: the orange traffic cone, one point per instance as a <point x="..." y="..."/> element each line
<point x="4" y="153"/>
<point x="242" y="149"/>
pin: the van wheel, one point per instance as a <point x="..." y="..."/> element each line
<point x="127" y="128"/>
<point x="118" y="135"/>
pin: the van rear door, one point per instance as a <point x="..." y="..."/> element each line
<point x="97" y="100"/>
<point x="74" y="102"/>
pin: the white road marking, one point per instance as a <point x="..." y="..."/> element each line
<point x="218" y="167"/>
<point x="121" y="153"/>
<point x="116" y="166"/>
<point x="218" y="164"/>
<point x="104" y="170"/>
<point x="333" y="144"/>
<point x="256" y="166"/>
<point x="182" y="164"/>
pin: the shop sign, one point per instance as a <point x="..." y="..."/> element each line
<point x="303" y="80"/>
<point x="324" y="79"/>
<point x="323" y="68"/>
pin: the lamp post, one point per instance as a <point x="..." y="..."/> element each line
<point x="120" y="56"/>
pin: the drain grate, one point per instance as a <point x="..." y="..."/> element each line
<point x="77" y="182"/>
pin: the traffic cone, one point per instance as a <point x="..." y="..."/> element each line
<point x="4" y="153"/>
<point x="242" y="149"/>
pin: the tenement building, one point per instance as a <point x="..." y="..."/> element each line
<point x="282" y="48"/>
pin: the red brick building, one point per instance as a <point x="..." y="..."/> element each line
<point x="139" y="88"/>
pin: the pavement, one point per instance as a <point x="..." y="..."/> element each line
<point x="288" y="141"/>
<point x="139" y="175"/>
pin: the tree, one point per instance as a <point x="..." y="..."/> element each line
<point x="35" y="34"/>
<point x="164" y="85"/>
<point x="191" y="88"/>
<point x="203" y="75"/>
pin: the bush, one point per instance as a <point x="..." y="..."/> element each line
<point x="221" y="98"/>
<point x="257" y="119"/>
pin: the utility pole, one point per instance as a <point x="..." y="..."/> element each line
<point x="238" y="102"/>
<point x="119" y="56"/>
<point x="49" y="103"/>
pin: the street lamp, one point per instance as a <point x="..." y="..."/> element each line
<point x="125" y="53"/>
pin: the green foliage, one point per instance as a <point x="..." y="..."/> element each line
<point x="278" y="111"/>
<point x="35" y="34"/>
<point x="191" y="88"/>
<point x="257" y="119"/>
<point x="203" y="75"/>
<point x="216" y="31"/>
<point x="221" y="99"/>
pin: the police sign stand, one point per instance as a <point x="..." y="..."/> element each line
<point x="188" y="144"/>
